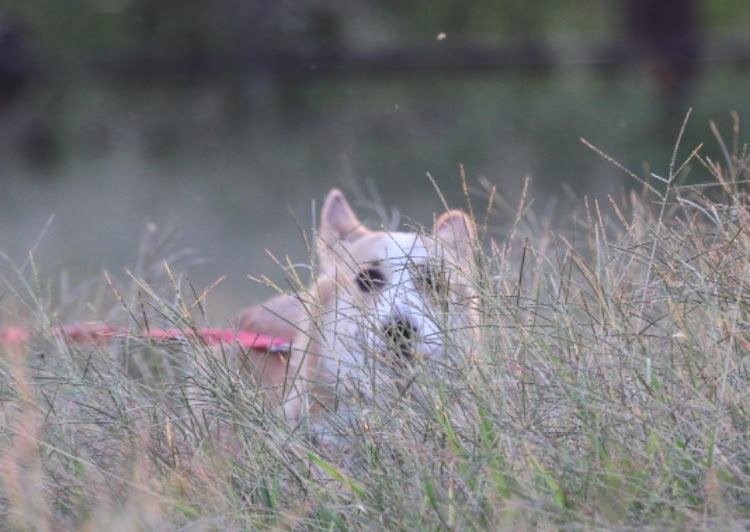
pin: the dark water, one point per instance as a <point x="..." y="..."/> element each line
<point x="240" y="169"/>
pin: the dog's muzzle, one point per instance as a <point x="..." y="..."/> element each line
<point x="401" y="335"/>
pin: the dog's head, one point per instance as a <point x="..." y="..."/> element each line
<point x="389" y="299"/>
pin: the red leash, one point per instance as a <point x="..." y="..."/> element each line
<point x="101" y="334"/>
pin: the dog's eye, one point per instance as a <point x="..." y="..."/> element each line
<point x="432" y="279"/>
<point x="370" y="280"/>
<point x="428" y="277"/>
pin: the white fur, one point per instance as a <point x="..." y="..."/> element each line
<point x="358" y="341"/>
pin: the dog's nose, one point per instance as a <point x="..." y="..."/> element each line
<point x="400" y="332"/>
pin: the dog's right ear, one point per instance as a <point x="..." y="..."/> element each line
<point x="338" y="223"/>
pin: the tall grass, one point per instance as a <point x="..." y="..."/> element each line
<point x="609" y="391"/>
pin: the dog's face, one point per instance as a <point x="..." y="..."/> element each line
<point x="388" y="300"/>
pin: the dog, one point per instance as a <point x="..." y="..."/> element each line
<point x="383" y="304"/>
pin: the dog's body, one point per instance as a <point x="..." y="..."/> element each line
<point x="382" y="303"/>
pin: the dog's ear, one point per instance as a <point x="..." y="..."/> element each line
<point x="454" y="225"/>
<point x="338" y="221"/>
<point x="338" y="225"/>
<point x="455" y="228"/>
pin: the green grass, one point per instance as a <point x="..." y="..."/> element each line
<point x="609" y="391"/>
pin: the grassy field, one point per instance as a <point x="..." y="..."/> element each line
<point x="609" y="391"/>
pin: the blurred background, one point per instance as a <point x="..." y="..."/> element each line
<point x="224" y="120"/>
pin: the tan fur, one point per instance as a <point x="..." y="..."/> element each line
<point x="338" y="327"/>
<point x="280" y="316"/>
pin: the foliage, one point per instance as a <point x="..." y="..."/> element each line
<point x="609" y="390"/>
<point x="222" y="26"/>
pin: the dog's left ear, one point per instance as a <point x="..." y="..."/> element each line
<point x="455" y="228"/>
<point x="454" y="225"/>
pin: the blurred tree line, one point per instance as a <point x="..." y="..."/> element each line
<point x="193" y="35"/>
<point x="224" y="26"/>
<point x="186" y="40"/>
